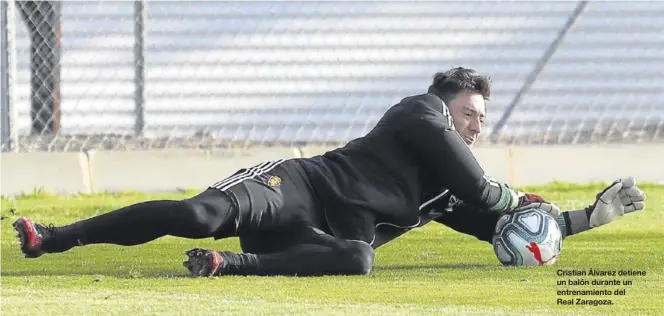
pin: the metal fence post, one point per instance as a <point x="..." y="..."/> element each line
<point x="4" y="82"/>
<point x="541" y="63"/>
<point x="8" y="111"/>
<point x="42" y="19"/>
<point x="139" y="66"/>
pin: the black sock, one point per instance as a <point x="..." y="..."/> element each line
<point x="135" y="224"/>
<point x="207" y="215"/>
<point x="321" y="255"/>
<point x="305" y="260"/>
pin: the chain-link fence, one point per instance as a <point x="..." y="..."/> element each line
<point x="117" y="75"/>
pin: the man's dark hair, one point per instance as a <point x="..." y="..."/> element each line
<point x="447" y="84"/>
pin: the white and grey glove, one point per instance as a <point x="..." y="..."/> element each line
<point x="530" y="200"/>
<point x="618" y="199"/>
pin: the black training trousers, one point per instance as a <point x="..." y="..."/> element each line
<point x="271" y="207"/>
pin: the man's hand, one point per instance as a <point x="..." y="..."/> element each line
<point x="529" y="200"/>
<point x="618" y="199"/>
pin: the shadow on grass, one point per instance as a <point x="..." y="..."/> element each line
<point x="435" y="266"/>
<point x="183" y="274"/>
<point x="99" y="275"/>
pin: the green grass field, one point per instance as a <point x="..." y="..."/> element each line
<point x="433" y="270"/>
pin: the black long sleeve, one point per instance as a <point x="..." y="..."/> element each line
<point x="410" y="156"/>
<point x="469" y="219"/>
<point x="427" y="127"/>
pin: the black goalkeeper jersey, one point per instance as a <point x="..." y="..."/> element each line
<point x="410" y="156"/>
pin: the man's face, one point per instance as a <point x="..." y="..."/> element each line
<point x="468" y="110"/>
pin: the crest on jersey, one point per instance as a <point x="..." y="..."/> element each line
<point x="274" y="181"/>
<point x="454" y="201"/>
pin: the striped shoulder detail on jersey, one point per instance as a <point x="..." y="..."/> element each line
<point x="448" y="116"/>
<point x="247" y="174"/>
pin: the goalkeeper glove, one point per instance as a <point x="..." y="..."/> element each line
<point x="529" y="200"/>
<point x="517" y="200"/>
<point x="618" y="199"/>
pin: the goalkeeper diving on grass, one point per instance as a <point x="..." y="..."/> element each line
<point x="326" y="215"/>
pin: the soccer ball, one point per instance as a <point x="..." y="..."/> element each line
<point x="527" y="237"/>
